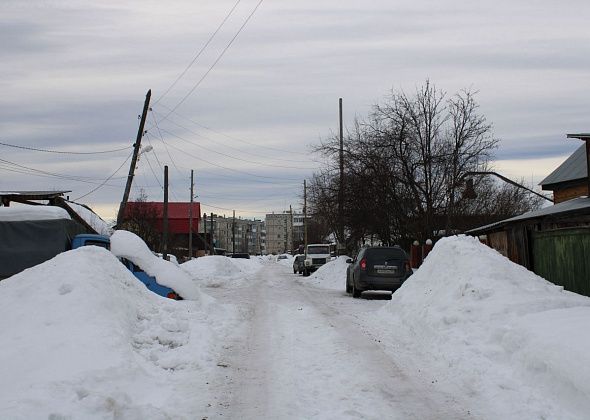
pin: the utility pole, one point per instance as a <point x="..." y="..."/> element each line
<point x="136" y="147"/>
<point x="341" y="186"/>
<point x="206" y="241"/>
<point x="305" y="217"/>
<point x="291" y="241"/>
<point x="190" y="220"/>
<point x="165" y="221"/>
<point x="233" y="234"/>
<point x="212" y="231"/>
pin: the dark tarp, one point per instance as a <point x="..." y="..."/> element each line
<point x="24" y="244"/>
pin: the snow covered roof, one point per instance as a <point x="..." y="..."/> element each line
<point x="575" y="205"/>
<point x="91" y="218"/>
<point x="24" y="213"/>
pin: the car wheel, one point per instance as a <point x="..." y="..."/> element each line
<point x="348" y="288"/>
<point x="294" y="271"/>
<point x="356" y="293"/>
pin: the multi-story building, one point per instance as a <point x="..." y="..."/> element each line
<point x="279" y="232"/>
<point x="236" y="235"/>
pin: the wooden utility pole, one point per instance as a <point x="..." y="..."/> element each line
<point x="190" y="220"/>
<point x="165" y="220"/>
<point x="136" y="147"/>
<point x="305" y="217"/>
<point x="292" y="233"/>
<point x="206" y="242"/>
<point x="341" y="185"/>
<point x="212" y="230"/>
<point x="233" y="234"/>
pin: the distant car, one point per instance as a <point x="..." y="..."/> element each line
<point x="377" y="268"/>
<point x="298" y="264"/>
<point x="240" y="255"/>
<point x="282" y="257"/>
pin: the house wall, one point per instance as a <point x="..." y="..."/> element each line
<point x="499" y="241"/>
<point x="565" y="194"/>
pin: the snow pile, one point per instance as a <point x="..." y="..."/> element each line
<point x="331" y="275"/>
<point x="83" y="338"/>
<point x="127" y="245"/>
<point x="492" y="325"/>
<point x="26" y="212"/>
<point x="221" y="271"/>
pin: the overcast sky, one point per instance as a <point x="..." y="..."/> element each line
<point x="74" y="76"/>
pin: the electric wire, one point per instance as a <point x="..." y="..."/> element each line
<point x="217" y="59"/>
<point x="38" y="172"/>
<point x="233" y="157"/>
<point x="199" y="53"/>
<point x="232" y="169"/>
<point x="232" y="137"/>
<point x="106" y="180"/>
<point x="34" y="149"/>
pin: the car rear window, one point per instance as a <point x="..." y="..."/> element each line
<point x="385" y="254"/>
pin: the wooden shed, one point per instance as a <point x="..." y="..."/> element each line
<point x="553" y="242"/>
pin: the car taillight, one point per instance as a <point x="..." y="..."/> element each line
<point x="172" y="295"/>
<point x="363" y="264"/>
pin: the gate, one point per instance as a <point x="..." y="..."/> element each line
<point x="562" y="256"/>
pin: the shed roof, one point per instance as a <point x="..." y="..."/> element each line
<point x="579" y="204"/>
<point x="573" y="168"/>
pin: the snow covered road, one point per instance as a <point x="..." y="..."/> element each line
<point x="304" y="352"/>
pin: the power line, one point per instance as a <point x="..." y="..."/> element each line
<point x="38" y="172"/>
<point x="105" y="181"/>
<point x="231" y="169"/>
<point x="200" y="52"/>
<point x="230" y="137"/>
<point x="34" y="149"/>
<point x="217" y="59"/>
<point x="233" y="157"/>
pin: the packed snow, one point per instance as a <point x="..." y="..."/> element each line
<point x="470" y="334"/>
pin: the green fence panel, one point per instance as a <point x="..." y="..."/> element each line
<point x="561" y="256"/>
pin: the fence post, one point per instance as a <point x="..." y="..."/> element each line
<point x="415" y="255"/>
<point x="427" y="248"/>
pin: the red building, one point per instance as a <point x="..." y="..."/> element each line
<point x="152" y="213"/>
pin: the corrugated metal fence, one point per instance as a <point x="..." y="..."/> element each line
<point x="562" y="256"/>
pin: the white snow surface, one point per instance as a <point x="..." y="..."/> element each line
<point x="83" y="338"/>
<point x="27" y="212"/>
<point x="125" y="244"/>
<point x="221" y="271"/>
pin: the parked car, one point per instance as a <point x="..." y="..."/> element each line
<point x="282" y="257"/>
<point x="377" y="268"/>
<point x="150" y="282"/>
<point x="298" y="264"/>
<point x="240" y="255"/>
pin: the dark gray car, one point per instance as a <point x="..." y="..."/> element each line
<point x="377" y="268"/>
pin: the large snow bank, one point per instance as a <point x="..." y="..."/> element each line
<point x="493" y="326"/>
<point x="82" y="338"/>
<point x="221" y="271"/>
<point x="24" y="213"/>
<point x="128" y="245"/>
<point x="331" y="275"/>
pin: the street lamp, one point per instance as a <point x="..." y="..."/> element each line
<point x="470" y="191"/>
<point x="586" y="138"/>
